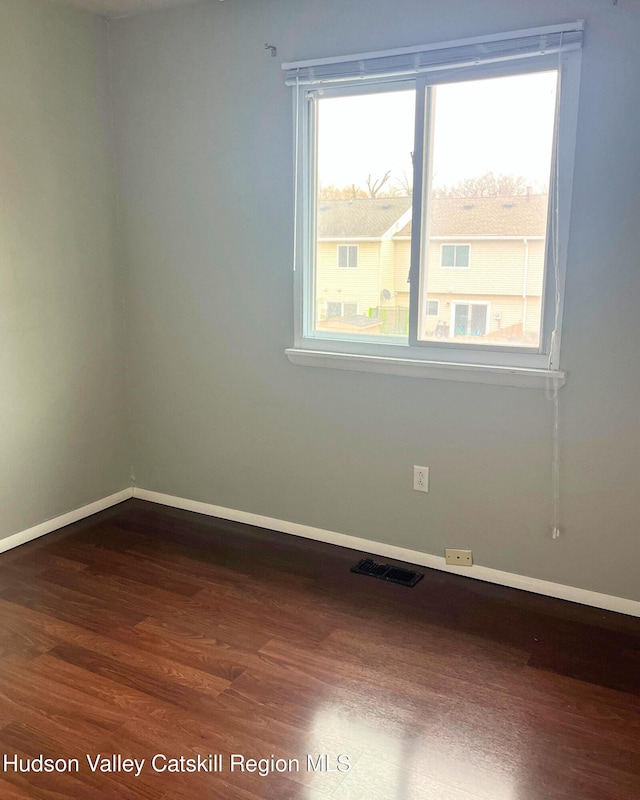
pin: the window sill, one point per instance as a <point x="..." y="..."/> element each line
<point x="434" y="370"/>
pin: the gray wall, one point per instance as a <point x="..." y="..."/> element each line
<point x="218" y="413"/>
<point x="62" y="411"/>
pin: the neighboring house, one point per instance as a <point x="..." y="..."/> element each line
<point x="485" y="266"/>
<point x="356" y="260"/>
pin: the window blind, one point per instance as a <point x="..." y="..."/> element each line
<point x="461" y="53"/>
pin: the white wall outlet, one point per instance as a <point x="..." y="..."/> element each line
<point x="421" y="479"/>
<point x="458" y="558"/>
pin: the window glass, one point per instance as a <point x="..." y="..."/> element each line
<point x="432" y="308"/>
<point x="347" y="256"/>
<point x="363" y="195"/>
<point x="433" y="192"/>
<point x="454" y="255"/>
<point x="487" y="182"/>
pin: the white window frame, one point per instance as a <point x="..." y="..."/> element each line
<point x="452" y="322"/>
<point x="350" y="303"/>
<point x="328" y="303"/>
<point x="348" y="246"/>
<point x="437" y="302"/>
<point x="342" y="304"/>
<point x="455" y="245"/>
<point x="535" y="367"/>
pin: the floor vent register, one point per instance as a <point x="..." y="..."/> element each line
<point x="387" y="572"/>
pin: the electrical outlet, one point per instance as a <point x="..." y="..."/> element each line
<point x="421" y="479"/>
<point x="458" y="558"/>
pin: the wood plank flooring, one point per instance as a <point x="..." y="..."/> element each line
<point x="145" y="631"/>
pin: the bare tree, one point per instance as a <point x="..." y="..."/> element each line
<point x="386" y="186"/>
<point x="405" y="185"/>
<point x="332" y="192"/>
<point x="487" y="185"/>
<point x="374" y="186"/>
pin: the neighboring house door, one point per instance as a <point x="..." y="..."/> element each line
<point x="470" y="319"/>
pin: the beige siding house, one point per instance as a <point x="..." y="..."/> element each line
<point x="356" y="262"/>
<point x="484" y="271"/>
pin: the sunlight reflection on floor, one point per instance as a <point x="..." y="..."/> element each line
<point x="391" y="762"/>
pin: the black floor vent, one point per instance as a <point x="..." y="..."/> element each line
<point x="387" y="572"/>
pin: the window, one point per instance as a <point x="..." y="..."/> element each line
<point x="433" y="308"/>
<point x="338" y="309"/>
<point x="347" y="256"/>
<point x="469" y="319"/>
<point x="350" y="309"/>
<point x="454" y="255"/>
<point x="387" y="159"/>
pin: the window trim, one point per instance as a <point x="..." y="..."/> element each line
<point x="357" y="249"/>
<point x="455" y="245"/>
<point x="350" y="303"/>
<point x="437" y="302"/>
<point x="526" y="366"/>
<point x="328" y="303"/>
<point x="342" y="304"/>
<point x="454" y="303"/>
<point x="517" y="377"/>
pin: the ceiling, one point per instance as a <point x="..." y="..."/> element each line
<point x="117" y="8"/>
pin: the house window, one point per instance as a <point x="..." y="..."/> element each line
<point x="387" y="161"/>
<point x="347" y="256"/>
<point x="349" y="309"/>
<point x="469" y="319"/>
<point x="454" y="255"/>
<point x="339" y="309"/>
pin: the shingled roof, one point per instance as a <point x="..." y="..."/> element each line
<point x="520" y="215"/>
<point x="370" y="218"/>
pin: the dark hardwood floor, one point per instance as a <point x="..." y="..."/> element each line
<point x="145" y="631"/>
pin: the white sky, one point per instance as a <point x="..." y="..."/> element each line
<point x="502" y="125"/>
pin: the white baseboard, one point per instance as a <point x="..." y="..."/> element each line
<point x="572" y="593"/>
<point x="64" y="519"/>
